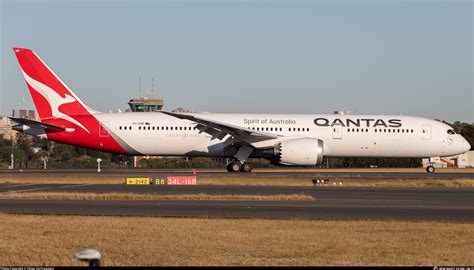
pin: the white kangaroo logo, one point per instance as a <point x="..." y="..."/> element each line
<point x="54" y="100"/>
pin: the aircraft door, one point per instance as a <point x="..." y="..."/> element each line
<point x="426" y="132"/>
<point x="103" y="130"/>
<point x="337" y="132"/>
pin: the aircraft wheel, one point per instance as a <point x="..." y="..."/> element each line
<point x="235" y="166"/>
<point x="229" y="167"/>
<point x="430" y="169"/>
<point x="246" y="167"/>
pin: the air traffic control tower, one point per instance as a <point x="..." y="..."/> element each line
<point x="146" y="104"/>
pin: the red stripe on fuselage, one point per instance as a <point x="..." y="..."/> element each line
<point x="81" y="138"/>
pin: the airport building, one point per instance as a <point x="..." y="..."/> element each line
<point x="146" y="104"/>
<point x="25" y="114"/>
<point x="6" y="125"/>
<point x="6" y="130"/>
<point x="465" y="160"/>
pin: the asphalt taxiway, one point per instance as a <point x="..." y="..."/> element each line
<point x="450" y="204"/>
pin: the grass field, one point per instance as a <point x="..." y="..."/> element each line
<point x="148" y="197"/>
<point x="52" y="240"/>
<point x="243" y="180"/>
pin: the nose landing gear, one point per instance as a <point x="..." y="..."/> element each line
<point x="430" y="168"/>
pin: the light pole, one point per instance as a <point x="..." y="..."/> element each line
<point x="12" y="162"/>
<point x="98" y="164"/>
<point x="12" y="157"/>
<point x="44" y="159"/>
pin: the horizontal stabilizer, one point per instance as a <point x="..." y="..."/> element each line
<point x="35" y="124"/>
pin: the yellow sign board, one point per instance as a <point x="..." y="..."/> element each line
<point x="137" y="180"/>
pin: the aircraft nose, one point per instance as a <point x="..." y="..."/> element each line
<point x="466" y="145"/>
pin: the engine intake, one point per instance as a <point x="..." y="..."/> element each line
<point x="302" y="151"/>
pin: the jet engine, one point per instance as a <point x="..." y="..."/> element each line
<point x="302" y="151"/>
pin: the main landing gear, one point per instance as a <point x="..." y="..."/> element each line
<point x="430" y="168"/>
<point x="239" y="166"/>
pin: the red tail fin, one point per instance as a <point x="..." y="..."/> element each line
<point x="51" y="96"/>
<point x="60" y="109"/>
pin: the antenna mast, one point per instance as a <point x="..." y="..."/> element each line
<point x="152" y="86"/>
<point x="139" y="87"/>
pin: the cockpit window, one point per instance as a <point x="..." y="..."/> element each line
<point x="451" y="132"/>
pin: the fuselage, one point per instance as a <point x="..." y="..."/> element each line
<point x="154" y="133"/>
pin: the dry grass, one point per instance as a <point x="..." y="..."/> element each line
<point x="260" y="181"/>
<point x="52" y="240"/>
<point x="247" y="180"/>
<point x="60" y="179"/>
<point x="148" y="197"/>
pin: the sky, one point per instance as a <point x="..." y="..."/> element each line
<point x="368" y="57"/>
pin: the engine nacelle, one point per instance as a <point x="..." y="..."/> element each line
<point x="302" y="151"/>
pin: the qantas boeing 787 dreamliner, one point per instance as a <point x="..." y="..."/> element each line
<point x="285" y="139"/>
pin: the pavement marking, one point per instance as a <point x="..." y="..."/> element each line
<point x="20" y="185"/>
<point x="54" y="187"/>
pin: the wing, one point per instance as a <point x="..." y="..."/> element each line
<point x="35" y="124"/>
<point x="219" y="129"/>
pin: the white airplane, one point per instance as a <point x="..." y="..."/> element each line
<point x="284" y="139"/>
